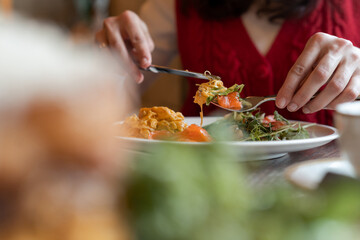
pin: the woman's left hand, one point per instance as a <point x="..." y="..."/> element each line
<point x="325" y="60"/>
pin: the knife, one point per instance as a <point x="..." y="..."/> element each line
<point x="161" y="69"/>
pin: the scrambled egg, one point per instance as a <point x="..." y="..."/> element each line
<point x="153" y="119"/>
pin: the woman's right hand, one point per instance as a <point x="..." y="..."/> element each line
<point x="128" y="36"/>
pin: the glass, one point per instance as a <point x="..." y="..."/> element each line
<point x="347" y="120"/>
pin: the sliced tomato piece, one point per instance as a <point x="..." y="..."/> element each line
<point x="194" y="133"/>
<point x="235" y="102"/>
<point x="223" y="101"/>
<point x="268" y="119"/>
<point x="230" y="101"/>
<point x="276" y="125"/>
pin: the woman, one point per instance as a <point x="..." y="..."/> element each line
<point x="289" y="48"/>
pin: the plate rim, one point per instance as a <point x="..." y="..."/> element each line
<point x="334" y="135"/>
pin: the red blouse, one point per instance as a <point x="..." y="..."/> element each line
<point x="225" y="49"/>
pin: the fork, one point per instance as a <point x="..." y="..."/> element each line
<point x="252" y="102"/>
<point x="249" y="103"/>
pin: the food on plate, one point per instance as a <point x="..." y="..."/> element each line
<point x="214" y="91"/>
<point x="154" y="120"/>
<point x="232" y="101"/>
<point x="162" y="123"/>
<point x="247" y="126"/>
<point x="193" y="133"/>
<point x="256" y="126"/>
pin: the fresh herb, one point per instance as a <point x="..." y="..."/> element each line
<point x="278" y="117"/>
<point x="179" y="192"/>
<point x="250" y="126"/>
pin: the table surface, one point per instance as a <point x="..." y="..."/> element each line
<point x="272" y="171"/>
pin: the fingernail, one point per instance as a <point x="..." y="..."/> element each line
<point x="281" y="102"/>
<point x="306" y="110"/>
<point x="292" y="107"/>
<point x="145" y="61"/>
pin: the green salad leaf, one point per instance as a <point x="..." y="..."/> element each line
<point x="249" y="126"/>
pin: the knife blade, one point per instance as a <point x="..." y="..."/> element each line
<point x="161" y="69"/>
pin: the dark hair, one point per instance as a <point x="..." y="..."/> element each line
<point x="225" y="9"/>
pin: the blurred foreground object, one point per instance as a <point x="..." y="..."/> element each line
<point x="6" y="6"/>
<point x="187" y="193"/>
<point x="347" y="120"/>
<point x="58" y="156"/>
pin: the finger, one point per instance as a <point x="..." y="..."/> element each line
<point x="333" y="89"/>
<point x="101" y="39"/>
<point x="116" y="41"/>
<point x="112" y="32"/>
<point x="149" y="41"/>
<point x="148" y="36"/>
<point x="299" y="70"/>
<point x="137" y="38"/>
<point x="319" y="76"/>
<point x="350" y="93"/>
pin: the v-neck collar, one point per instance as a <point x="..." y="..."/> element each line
<point x="252" y="45"/>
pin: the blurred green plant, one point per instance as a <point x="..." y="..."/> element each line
<point x="200" y="193"/>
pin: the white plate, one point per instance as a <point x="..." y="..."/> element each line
<point x="308" y="175"/>
<point x="319" y="135"/>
